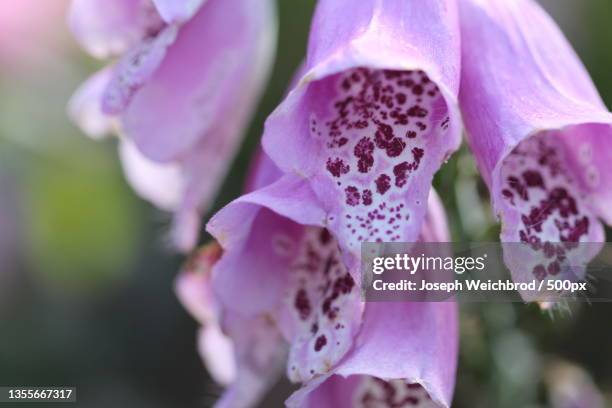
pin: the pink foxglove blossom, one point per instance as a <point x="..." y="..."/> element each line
<point x="279" y="263"/>
<point x="540" y="134"/>
<point x="372" y="118"/>
<point x="182" y="89"/>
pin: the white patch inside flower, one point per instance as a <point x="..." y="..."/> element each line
<point x="381" y="132"/>
<point x="324" y="304"/>
<point x="373" y="392"/>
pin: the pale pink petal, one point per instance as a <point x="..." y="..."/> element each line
<point x="85" y="106"/>
<point x="406" y="354"/>
<point x="161" y="184"/>
<point x="173" y="11"/>
<point x="217" y="351"/>
<point x="110" y="27"/>
<point x="435" y="227"/>
<point x="246" y="354"/>
<point x="135" y="68"/>
<point x="260" y="356"/>
<point x="209" y="81"/>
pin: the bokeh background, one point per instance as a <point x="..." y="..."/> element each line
<point x="86" y="276"/>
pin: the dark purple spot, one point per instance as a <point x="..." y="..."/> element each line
<point x="337" y="167"/>
<point x="533" y="179"/>
<point x="396" y="147"/>
<point x="417" y="111"/>
<point x="320" y="343"/>
<point x="352" y="196"/>
<point x="367" y="197"/>
<point x="383" y="183"/>
<point x="302" y="304"/>
<point x="539" y="272"/>
<point x="364" y="150"/>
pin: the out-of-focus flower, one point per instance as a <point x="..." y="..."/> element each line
<point x="278" y="262"/>
<point x="571" y="387"/>
<point x="195" y="293"/>
<point x="247" y="354"/>
<point x="182" y="90"/>
<point x="540" y="133"/>
<point x="372" y="118"/>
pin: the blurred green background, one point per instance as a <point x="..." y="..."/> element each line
<point x="86" y="277"/>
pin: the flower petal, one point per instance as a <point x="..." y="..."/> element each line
<point x="176" y="187"/>
<point x="262" y="172"/>
<point x="217" y="351"/>
<point x="435" y="227"/>
<point x="322" y="311"/>
<point x="193" y="285"/>
<point x="85" y="106"/>
<point x="259" y="239"/>
<point x="544" y="207"/>
<point x="209" y="157"/>
<point x="295" y="273"/>
<point x="161" y="184"/>
<point x="135" y="68"/>
<point x="374" y="116"/>
<point x="208" y="81"/>
<point x="110" y="27"/>
<point x="538" y="129"/>
<point x="248" y="354"/>
<point x="193" y="289"/>
<point x="405" y="355"/>
<point x="519" y="77"/>
<point x="260" y="356"/>
<point x="173" y="11"/>
<point x="307" y="286"/>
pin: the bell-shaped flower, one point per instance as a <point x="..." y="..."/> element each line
<point x="183" y="88"/>
<point x="540" y="133"/>
<point x="372" y="118"/>
<point x="279" y="261"/>
<point x="404" y="355"/>
<point x="246" y="355"/>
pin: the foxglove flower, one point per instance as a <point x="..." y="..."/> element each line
<point x="182" y="90"/>
<point x="540" y="133"/>
<point x="404" y="355"/>
<point x="279" y="262"/>
<point x="246" y="355"/>
<point x="372" y="118"/>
